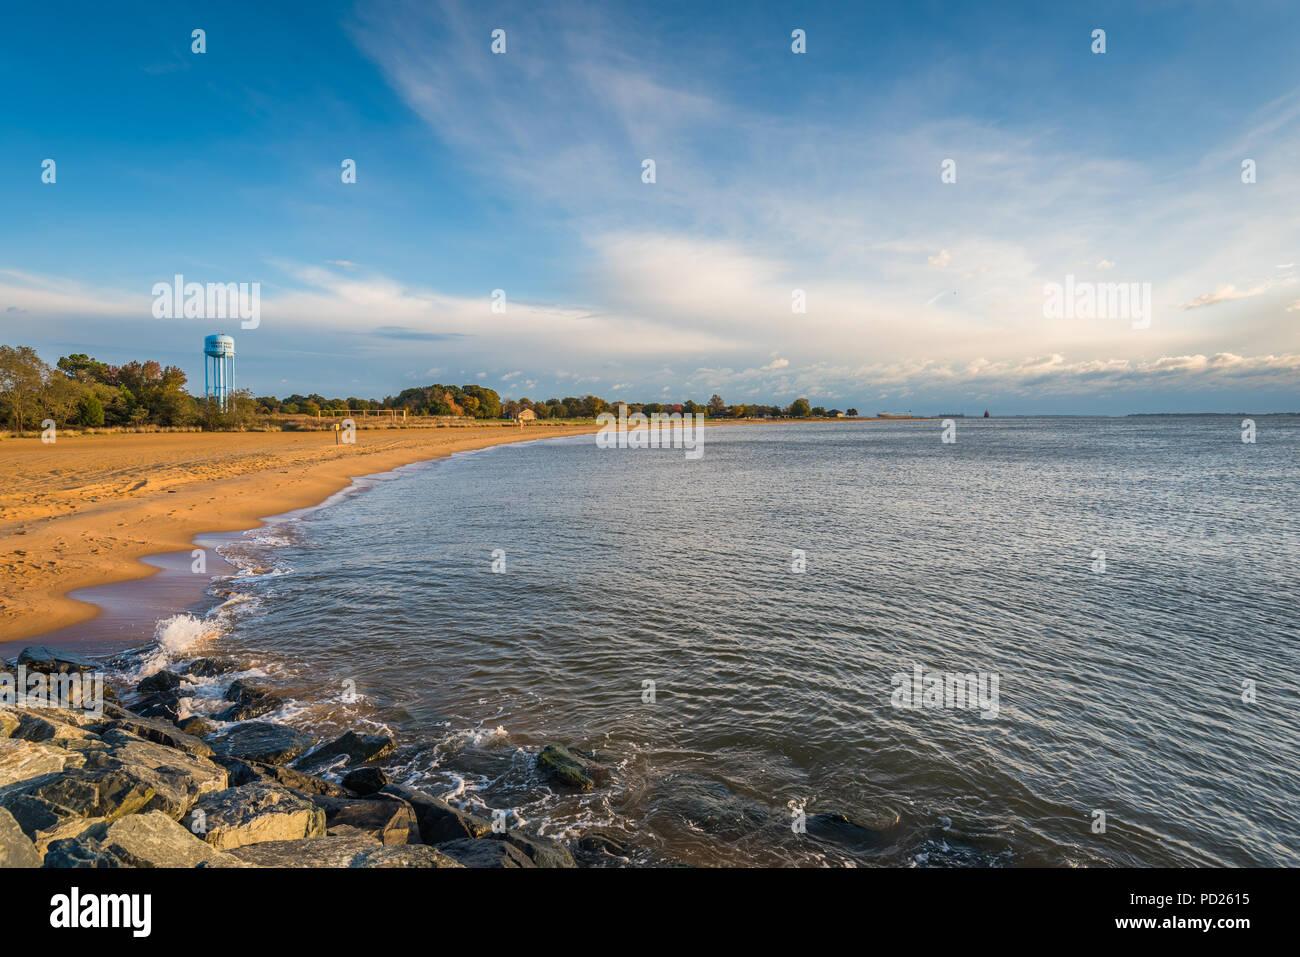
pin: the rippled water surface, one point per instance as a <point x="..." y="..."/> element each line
<point x="1120" y="690"/>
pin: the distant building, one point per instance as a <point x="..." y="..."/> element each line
<point x="525" y="415"/>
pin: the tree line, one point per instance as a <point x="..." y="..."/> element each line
<point x="81" y="391"/>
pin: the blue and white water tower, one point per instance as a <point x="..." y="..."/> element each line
<point x="219" y="368"/>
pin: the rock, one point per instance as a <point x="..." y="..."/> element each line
<point x="404" y="855"/>
<point x="154" y="840"/>
<point x="313" y="852"/>
<point x="16" y="850"/>
<point x="22" y="760"/>
<point x="207" y="668"/>
<point x="262" y="741"/>
<point x="596" y="849"/>
<point x="256" y="813"/>
<point x="52" y="726"/>
<point x="478" y="854"/>
<point x="157" y="731"/>
<point x="365" y="780"/>
<point x="542" y="851"/>
<point x="196" y="727"/>
<point x="8" y="722"/>
<point x="839" y="829"/>
<point x="57" y="806"/>
<point x="159" y="682"/>
<point x="54" y="660"/>
<point x="177" y="779"/>
<point x="438" y="820"/>
<point x="81" y="852"/>
<point x="354" y="748"/>
<point x="165" y="705"/>
<point x="250" y="701"/>
<point x="706" y="804"/>
<point x="569" y="768"/>
<point x="248" y="710"/>
<point x="389" y="819"/>
<point x="247" y="772"/>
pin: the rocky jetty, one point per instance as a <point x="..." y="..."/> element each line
<point x="132" y="789"/>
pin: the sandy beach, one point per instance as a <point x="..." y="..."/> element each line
<point x="82" y="511"/>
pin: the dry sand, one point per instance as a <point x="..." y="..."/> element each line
<point x="83" y="510"/>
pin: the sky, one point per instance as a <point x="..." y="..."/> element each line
<point x="775" y="171"/>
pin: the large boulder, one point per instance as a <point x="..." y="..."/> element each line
<point x="23" y="760"/>
<point x="141" y="840"/>
<point x="387" y="818"/>
<point x="571" y="769"/>
<point x="481" y="854"/>
<point x="438" y="820"/>
<point x="261" y="741"/>
<point x="9" y="722"/>
<point x="542" y="851"/>
<point x="313" y="852"/>
<point x="16" y="849"/>
<point x="349" y="748"/>
<point x="177" y="779"/>
<point x="404" y="855"/>
<point x="159" y="682"/>
<point x="837" y="828"/>
<point x="254" y="814"/>
<point x="157" y="731"/>
<point x="196" y="726"/>
<point x="249" y="772"/>
<point x="54" y="660"/>
<point x="365" y="781"/>
<point x="249" y="701"/>
<point x="52" y="726"/>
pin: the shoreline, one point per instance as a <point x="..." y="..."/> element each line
<point x="166" y="491"/>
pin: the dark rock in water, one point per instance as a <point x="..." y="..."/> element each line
<point x="253" y="708"/>
<point x="570" y="768"/>
<point x="207" y="668"/>
<point x="472" y="853"/>
<point x="196" y="726"/>
<point x="438" y="820"/>
<point x="159" y="681"/>
<point x="542" y="851"/>
<point x="707" y="804"/>
<point x="387" y="818"/>
<point x="16" y="849"/>
<point x="839" y="829"/>
<point x="54" y="660"/>
<point x="404" y="855"/>
<point x="365" y="780"/>
<point x="164" y="704"/>
<point x="250" y="701"/>
<point x="261" y="741"/>
<point x="355" y="748"/>
<point x="157" y="731"/>
<point x="601" y="850"/>
<point x="249" y="772"/>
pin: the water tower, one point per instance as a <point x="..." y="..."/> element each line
<point x="219" y="368"/>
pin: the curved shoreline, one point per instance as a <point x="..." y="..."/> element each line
<point x="251" y="477"/>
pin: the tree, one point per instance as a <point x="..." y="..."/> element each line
<point x="851" y="413"/>
<point x="716" y="405"/>
<point x="800" y="409"/>
<point x="22" y="377"/>
<point x="90" y="411"/>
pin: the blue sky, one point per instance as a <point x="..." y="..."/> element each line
<point x="775" y="172"/>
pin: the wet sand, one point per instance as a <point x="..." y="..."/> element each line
<point x="85" y="510"/>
